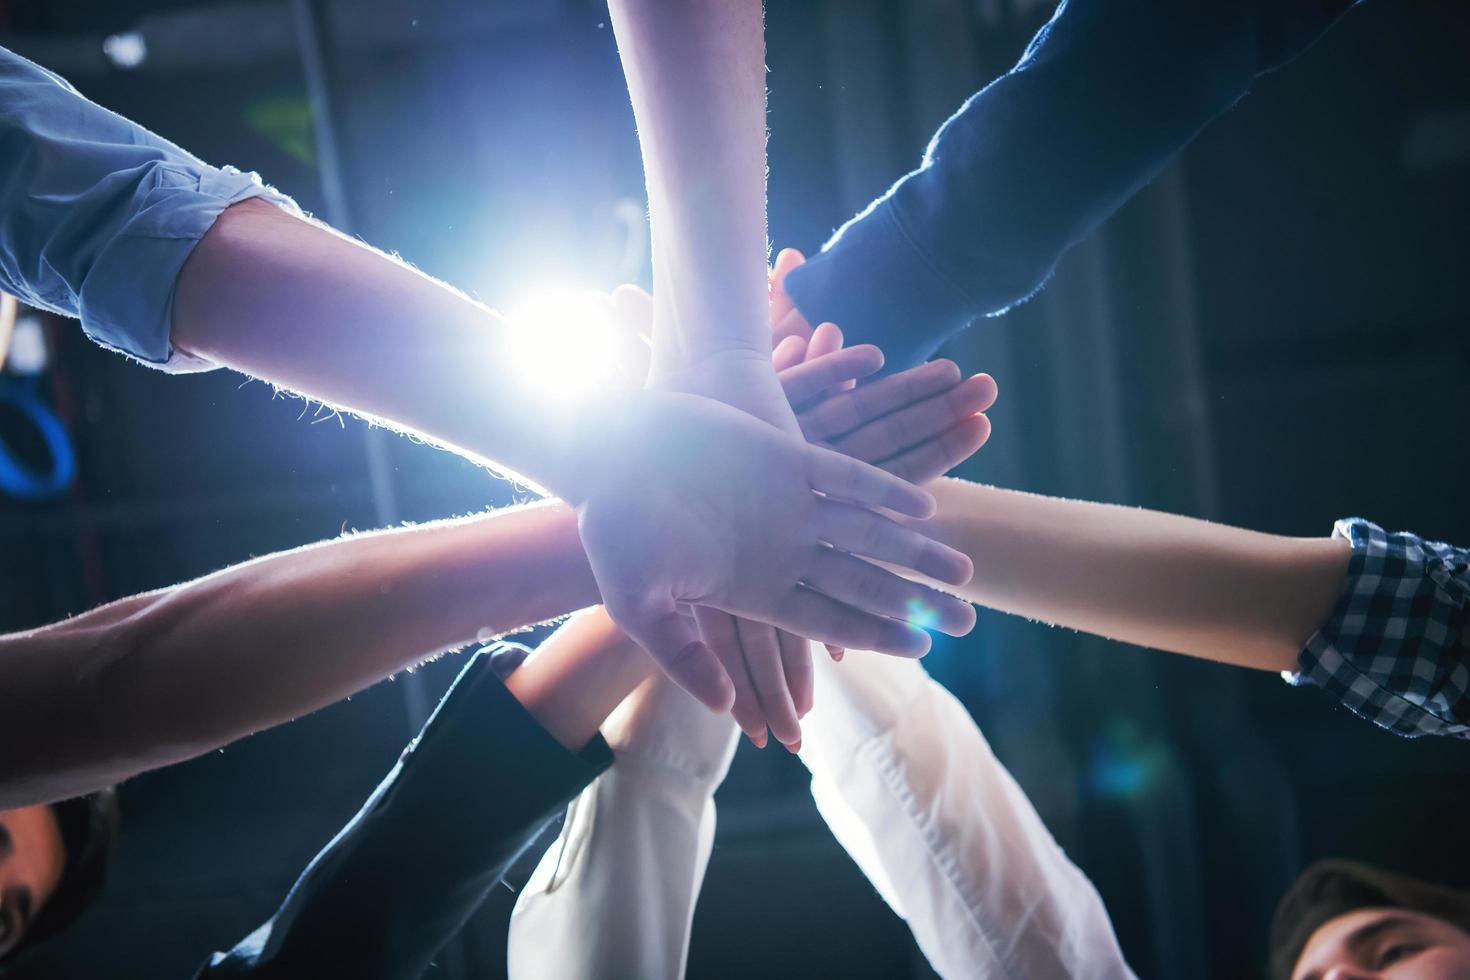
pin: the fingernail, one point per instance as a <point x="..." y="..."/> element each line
<point x="759" y="741"/>
<point x="794" y="747"/>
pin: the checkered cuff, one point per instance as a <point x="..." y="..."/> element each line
<point x="1396" y="649"/>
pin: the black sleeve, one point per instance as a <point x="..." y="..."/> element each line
<point x="466" y="797"/>
<point x="1106" y="93"/>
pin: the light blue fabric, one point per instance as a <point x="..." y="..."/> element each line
<point x="97" y="215"/>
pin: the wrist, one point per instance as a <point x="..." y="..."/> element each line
<point x="587" y="440"/>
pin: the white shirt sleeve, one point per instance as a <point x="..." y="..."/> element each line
<point x="909" y="786"/>
<point x="614" y="894"/>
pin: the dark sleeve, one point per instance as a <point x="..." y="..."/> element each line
<point x="467" y="796"/>
<point x="1106" y="93"/>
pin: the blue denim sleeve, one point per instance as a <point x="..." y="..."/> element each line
<point x="98" y="215"/>
<point x="1107" y="92"/>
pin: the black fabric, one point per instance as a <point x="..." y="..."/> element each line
<point x="1105" y="95"/>
<point x="1329" y="889"/>
<point x="467" y="796"/>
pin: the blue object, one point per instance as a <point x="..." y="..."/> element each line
<point x="16" y="478"/>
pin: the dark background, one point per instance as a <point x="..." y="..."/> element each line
<point x="1273" y="334"/>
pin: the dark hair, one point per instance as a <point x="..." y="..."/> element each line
<point x="88" y="832"/>
<point x="1332" y="888"/>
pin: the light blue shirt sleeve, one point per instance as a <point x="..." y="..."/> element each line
<point x="98" y="215"/>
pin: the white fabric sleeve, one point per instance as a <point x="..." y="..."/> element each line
<point x="614" y="895"/>
<point x="909" y="786"/>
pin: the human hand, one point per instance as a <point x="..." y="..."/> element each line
<point x="771" y="670"/>
<point x="690" y="502"/>
<point x="920" y="424"/>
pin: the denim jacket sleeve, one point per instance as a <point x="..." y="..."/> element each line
<point x="98" y="215"/>
<point x="1105" y="95"/>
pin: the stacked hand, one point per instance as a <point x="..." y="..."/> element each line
<point x="917" y="424"/>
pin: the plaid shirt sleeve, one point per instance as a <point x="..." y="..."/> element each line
<point x="1396" y="649"/>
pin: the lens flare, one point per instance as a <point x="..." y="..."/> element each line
<point x="561" y="342"/>
<point x="922" y="615"/>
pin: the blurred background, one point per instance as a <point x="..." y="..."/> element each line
<point x="1274" y="334"/>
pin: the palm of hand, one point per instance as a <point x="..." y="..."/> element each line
<point x="669" y="526"/>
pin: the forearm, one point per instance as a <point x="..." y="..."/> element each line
<point x="1102" y="100"/>
<point x="292" y="302"/>
<point x="909" y="786"/>
<point x="1140" y="576"/>
<point x="159" y="678"/>
<point x="577" y="677"/>
<point x="696" y="75"/>
<point x="615" y="894"/>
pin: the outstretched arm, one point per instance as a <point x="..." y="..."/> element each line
<point x="696" y="75"/>
<point x="1103" y="98"/>
<point x="1376" y="619"/>
<point x="158" y="678"/>
<point x="1140" y="576"/>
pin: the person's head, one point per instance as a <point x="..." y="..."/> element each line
<point x="1348" y="921"/>
<point x="53" y="859"/>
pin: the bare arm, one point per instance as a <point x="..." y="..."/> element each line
<point x="156" y="679"/>
<point x="293" y="302"/>
<point x="577" y="677"/>
<point x="1157" y="580"/>
<point x="696" y="75"/>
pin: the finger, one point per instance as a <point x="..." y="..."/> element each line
<point x="853" y="409"/>
<point x="809" y="613"/>
<point x="878" y="591"/>
<point x="634" y="307"/>
<point x="847" y="479"/>
<point x="911" y="426"/>
<point x="862" y="532"/>
<point x="718" y="630"/>
<point x="826" y="339"/>
<point x="796" y="663"/>
<point x="786" y="260"/>
<point x="806" y="382"/>
<point x="788" y="354"/>
<point x="793" y="324"/>
<point x="763" y="660"/>
<point x="675" y="646"/>
<point x="936" y="457"/>
<point x="631" y="353"/>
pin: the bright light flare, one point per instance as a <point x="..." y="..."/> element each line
<point x="922" y="615"/>
<point x="562" y="344"/>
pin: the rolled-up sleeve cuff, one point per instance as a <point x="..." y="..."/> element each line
<point x="126" y="302"/>
<point x="1393" y="649"/>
